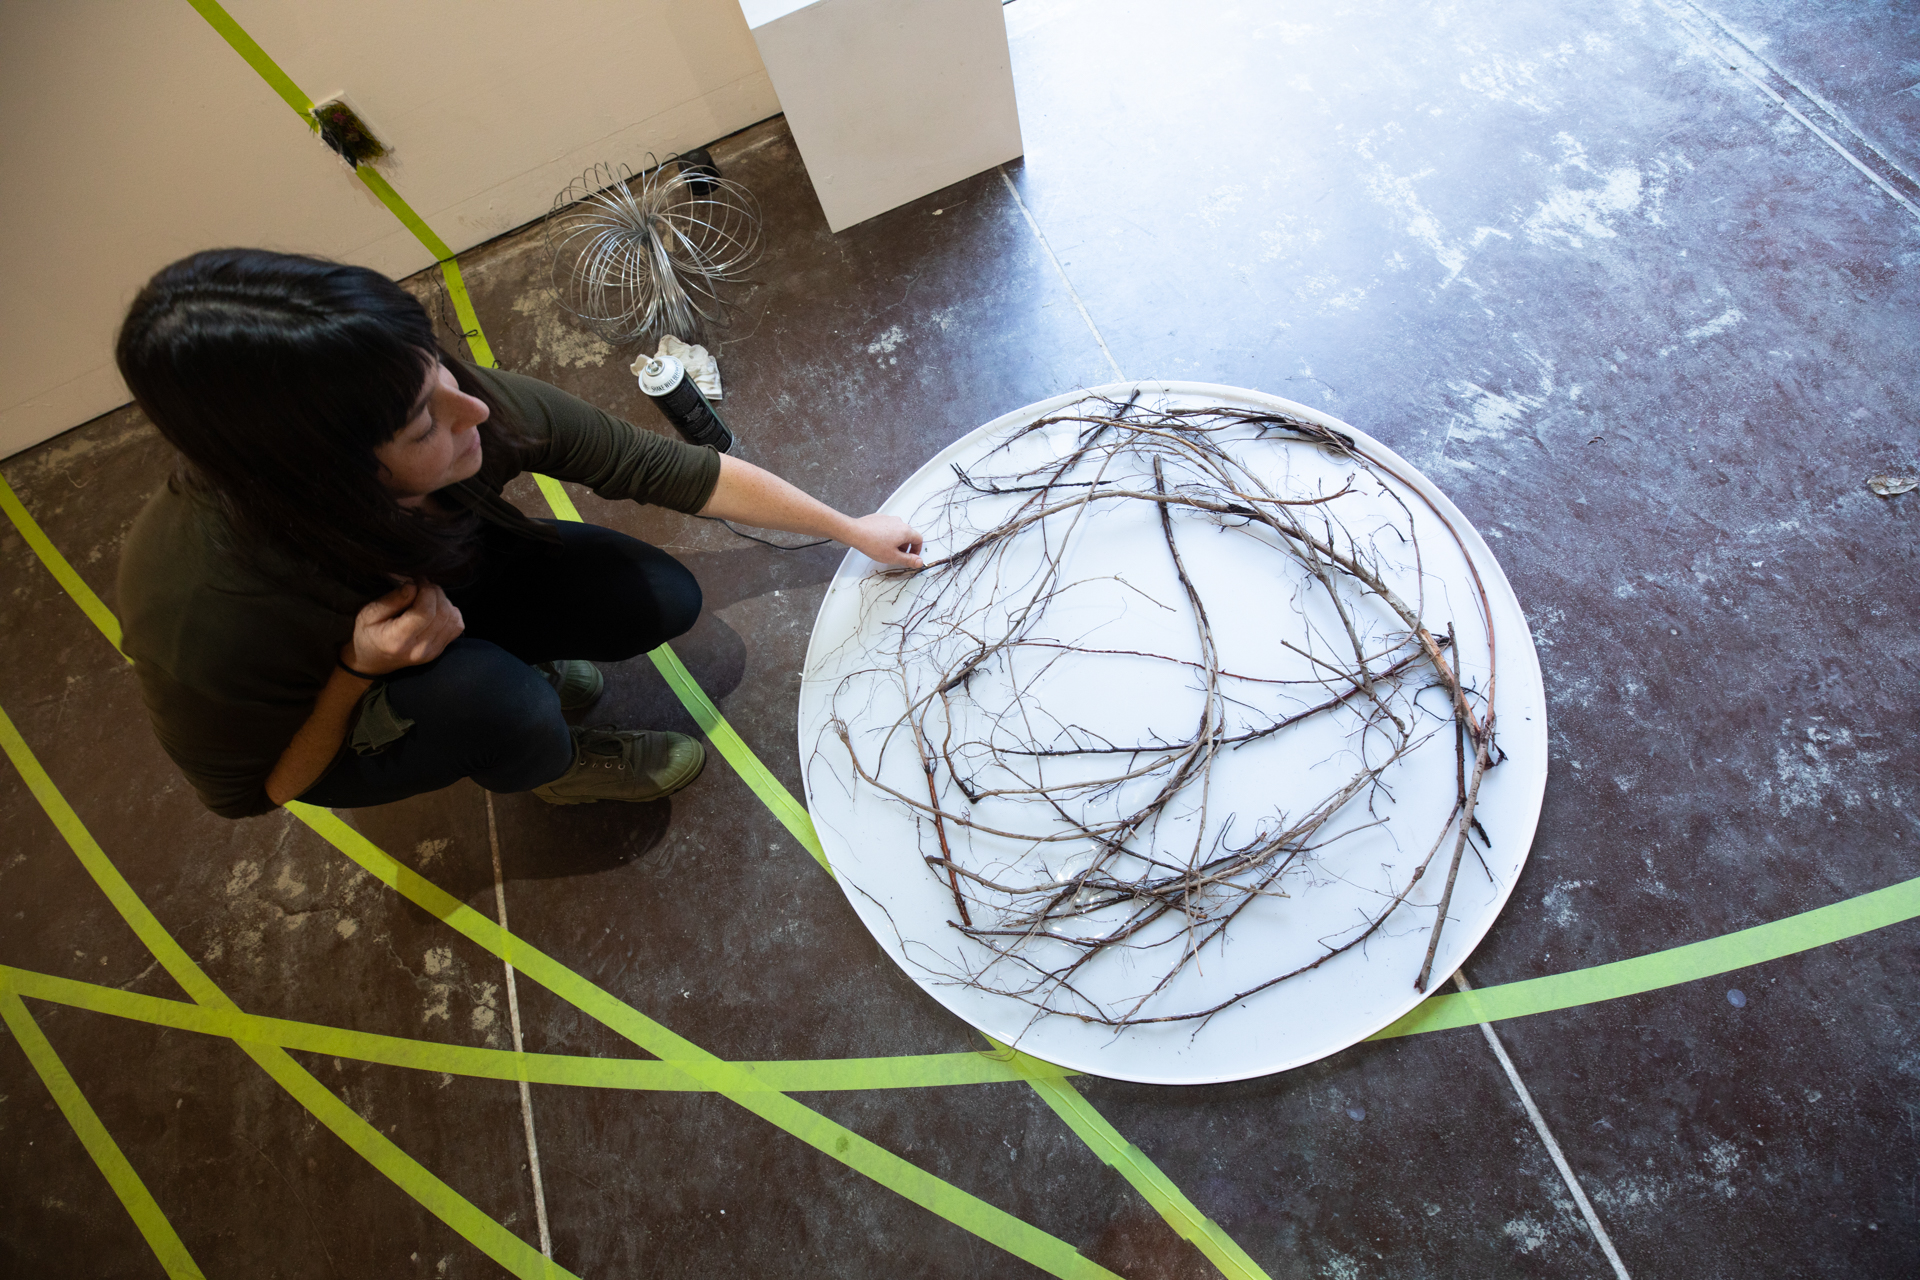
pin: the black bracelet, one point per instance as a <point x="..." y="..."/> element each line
<point x="350" y="671"/>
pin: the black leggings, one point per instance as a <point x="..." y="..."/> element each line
<point x="478" y="710"/>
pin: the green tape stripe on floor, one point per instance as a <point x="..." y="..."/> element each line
<point x="439" y="1199"/>
<point x="791" y="813"/>
<point x="469" y="318"/>
<point x="732" y="1080"/>
<point x="732" y="747"/>
<point x="1803" y="932"/>
<point x="378" y="1150"/>
<point x="1159" y="1190"/>
<point x="857" y="1074"/>
<point x="140" y="1204"/>
<point x="57" y="565"/>
<point x="443" y="256"/>
<point x="556" y="495"/>
<point x="492" y="1239"/>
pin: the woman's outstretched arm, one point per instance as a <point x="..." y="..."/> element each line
<point x="752" y="496"/>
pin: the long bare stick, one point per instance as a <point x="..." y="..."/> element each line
<point x="1453" y="870"/>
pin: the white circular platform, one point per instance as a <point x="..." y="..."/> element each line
<point x="1125" y="585"/>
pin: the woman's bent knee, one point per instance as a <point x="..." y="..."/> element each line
<point x="679" y="599"/>
<point x="475" y="688"/>
<point x="652" y="600"/>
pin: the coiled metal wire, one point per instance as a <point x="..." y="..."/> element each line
<point x="637" y="256"/>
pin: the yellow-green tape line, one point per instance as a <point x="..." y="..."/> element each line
<point x="57" y="565"/>
<point x="139" y="1202"/>
<point x="791" y="813"/>
<point x="492" y="1239"/>
<point x="408" y="218"/>
<point x="1876" y="910"/>
<point x="504" y="1247"/>
<point x="734" y="1081"/>
<point x="469" y="318"/>
<point x="256" y="57"/>
<point x="911" y="1072"/>
<point x="1156" y="1187"/>
<point x="449" y="269"/>
<point x="556" y="495"/>
<point x="731" y="746"/>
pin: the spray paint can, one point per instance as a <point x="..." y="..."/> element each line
<point x="697" y="167"/>
<point x="666" y="383"/>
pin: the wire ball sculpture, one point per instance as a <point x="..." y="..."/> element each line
<point x="637" y="256"/>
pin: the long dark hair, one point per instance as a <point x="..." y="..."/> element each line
<point x="276" y="376"/>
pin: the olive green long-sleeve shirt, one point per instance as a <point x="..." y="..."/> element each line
<point x="231" y="659"/>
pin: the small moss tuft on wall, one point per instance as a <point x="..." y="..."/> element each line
<point x="346" y="133"/>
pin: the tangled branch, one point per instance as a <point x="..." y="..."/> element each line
<point x="1074" y="839"/>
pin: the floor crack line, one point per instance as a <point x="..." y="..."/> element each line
<point x="1055" y="260"/>
<point x="519" y="1044"/>
<point x="1552" y="1145"/>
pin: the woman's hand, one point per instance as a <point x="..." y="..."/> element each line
<point x="887" y="539"/>
<point x="406" y="627"/>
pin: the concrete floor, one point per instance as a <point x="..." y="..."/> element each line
<point x="1580" y="262"/>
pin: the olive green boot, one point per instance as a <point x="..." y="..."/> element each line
<point x="577" y="681"/>
<point x="625" y="764"/>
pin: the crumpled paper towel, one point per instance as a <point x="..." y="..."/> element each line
<point x="700" y="366"/>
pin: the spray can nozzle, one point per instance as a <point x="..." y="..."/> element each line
<point x="660" y="375"/>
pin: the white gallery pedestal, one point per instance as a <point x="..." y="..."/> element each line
<point x="889" y="100"/>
